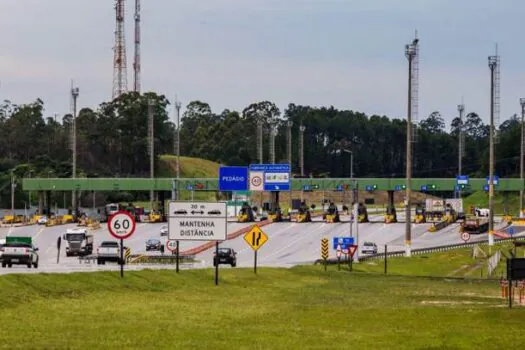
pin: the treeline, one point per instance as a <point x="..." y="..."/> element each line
<point x="112" y="140"/>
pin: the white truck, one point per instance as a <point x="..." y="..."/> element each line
<point x="78" y="242"/>
<point x="19" y="251"/>
<point x="108" y="251"/>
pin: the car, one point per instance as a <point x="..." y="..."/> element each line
<point x="42" y="220"/>
<point x="19" y="253"/>
<point x="369" y="248"/>
<point x="226" y="256"/>
<point x="153" y="244"/>
<point x="164" y="230"/>
<point x="108" y="251"/>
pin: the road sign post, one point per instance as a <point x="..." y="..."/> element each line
<point x="324" y="251"/>
<point x="198" y="221"/>
<point x="385" y="259"/>
<point x="121" y="225"/>
<point x="255" y="239"/>
<point x="173" y="247"/>
<point x="338" y="254"/>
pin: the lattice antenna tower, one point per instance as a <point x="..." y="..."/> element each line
<point x="273" y="134"/>
<point x="495" y="61"/>
<point x="415" y="89"/>
<point x="120" y="79"/>
<point x="136" y="63"/>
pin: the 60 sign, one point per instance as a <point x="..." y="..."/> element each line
<point x="121" y="225"/>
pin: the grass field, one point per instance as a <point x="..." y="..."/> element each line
<point x="452" y="263"/>
<point x="298" y="308"/>
<point x="501" y="200"/>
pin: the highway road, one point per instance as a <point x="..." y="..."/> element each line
<point x="45" y="238"/>
<point x="289" y="243"/>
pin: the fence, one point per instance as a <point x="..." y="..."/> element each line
<point x="493" y="261"/>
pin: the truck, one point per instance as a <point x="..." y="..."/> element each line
<point x="108" y="251"/>
<point x="19" y="251"/>
<point x="78" y="242"/>
<point x="475" y="225"/>
<point x="436" y="209"/>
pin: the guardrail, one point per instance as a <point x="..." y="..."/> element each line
<point x="162" y="259"/>
<point x="421" y="251"/>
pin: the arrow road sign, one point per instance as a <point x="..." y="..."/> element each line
<point x="121" y="225"/>
<point x="197" y="221"/>
<point x="324" y="248"/>
<point x="255" y="238"/>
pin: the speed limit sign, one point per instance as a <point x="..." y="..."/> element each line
<point x="171" y="245"/>
<point x="121" y="225"/>
<point x="465" y="236"/>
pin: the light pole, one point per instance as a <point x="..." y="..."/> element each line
<point x="151" y="140"/>
<point x="74" y="95"/>
<point x="410" y="53"/>
<point x="13" y="186"/>
<point x="302" y="128"/>
<point x="178" y="105"/>
<point x="354" y="199"/>
<point x="522" y="103"/>
<point x="493" y="65"/>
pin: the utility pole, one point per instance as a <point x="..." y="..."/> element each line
<point x="461" y="108"/>
<point x="302" y="128"/>
<point x="151" y="138"/>
<point x="178" y="105"/>
<point x="494" y="84"/>
<point x="410" y="53"/>
<point x="260" y="137"/>
<point x="13" y="186"/>
<point x="522" y="103"/>
<point x="273" y="133"/>
<point x="74" y="95"/>
<point x="289" y="125"/>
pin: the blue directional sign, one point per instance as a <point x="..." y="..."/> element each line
<point x="339" y="188"/>
<point x="276" y="176"/>
<point x="462" y="180"/>
<point x="189" y="187"/>
<point x="495" y="180"/>
<point x="344" y="242"/>
<point x="233" y="178"/>
<point x="510" y="230"/>
<point x="307" y="187"/>
<point x="424" y="188"/>
<point x="486" y="188"/>
<point x="371" y="188"/>
<point x="400" y="187"/>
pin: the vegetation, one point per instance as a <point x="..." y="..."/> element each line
<point x="298" y="308"/>
<point x="112" y="140"/>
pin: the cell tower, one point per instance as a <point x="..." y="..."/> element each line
<point x="136" y="63"/>
<point x="120" y="79"/>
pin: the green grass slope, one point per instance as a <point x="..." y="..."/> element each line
<point x="297" y="308"/>
<point x="501" y="200"/>
<point x="189" y="167"/>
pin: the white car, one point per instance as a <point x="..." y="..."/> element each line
<point x="164" y="230"/>
<point x="369" y="248"/>
<point x="108" y="251"/>
<point x="42" y="220"/>
<point x="17" y="253"/>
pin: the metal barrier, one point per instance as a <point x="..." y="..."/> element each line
<point x="422" y="251"/>
<point x="88" y="259"/>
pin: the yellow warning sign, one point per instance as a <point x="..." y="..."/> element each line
<point x="255" y="237"/>
<point x="324" y="248"/>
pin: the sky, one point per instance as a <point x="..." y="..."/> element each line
<point x="343" y="53"/>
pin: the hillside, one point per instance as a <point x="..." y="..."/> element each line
<point x="502" y="201"/>
<point x="189" y="167"/>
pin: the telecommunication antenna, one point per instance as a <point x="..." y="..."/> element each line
<point x="120" y="79"/>
<point x="136" y="63"/>
<point x="74" y="96"/>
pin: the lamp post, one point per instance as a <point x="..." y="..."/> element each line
<point x="522" y="103"/>
<point x="177" y="148"/>
<point x="354" y="199"/>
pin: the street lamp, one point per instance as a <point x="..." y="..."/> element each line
<point x="354" y="199"/>
<point x="522" y="103"/>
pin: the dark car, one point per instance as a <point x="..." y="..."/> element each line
<point x="226" y="256"/>
<point x="153" y="244"/>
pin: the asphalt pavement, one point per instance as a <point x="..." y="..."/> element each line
<point x="289" y="243"/>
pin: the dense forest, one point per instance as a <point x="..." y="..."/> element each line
<point x="112" y="140"/>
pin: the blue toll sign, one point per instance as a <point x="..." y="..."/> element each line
<point x="233" y="178"/>
<point x="344" y="242"/>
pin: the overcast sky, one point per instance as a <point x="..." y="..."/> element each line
<point x="230" y="53"/>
